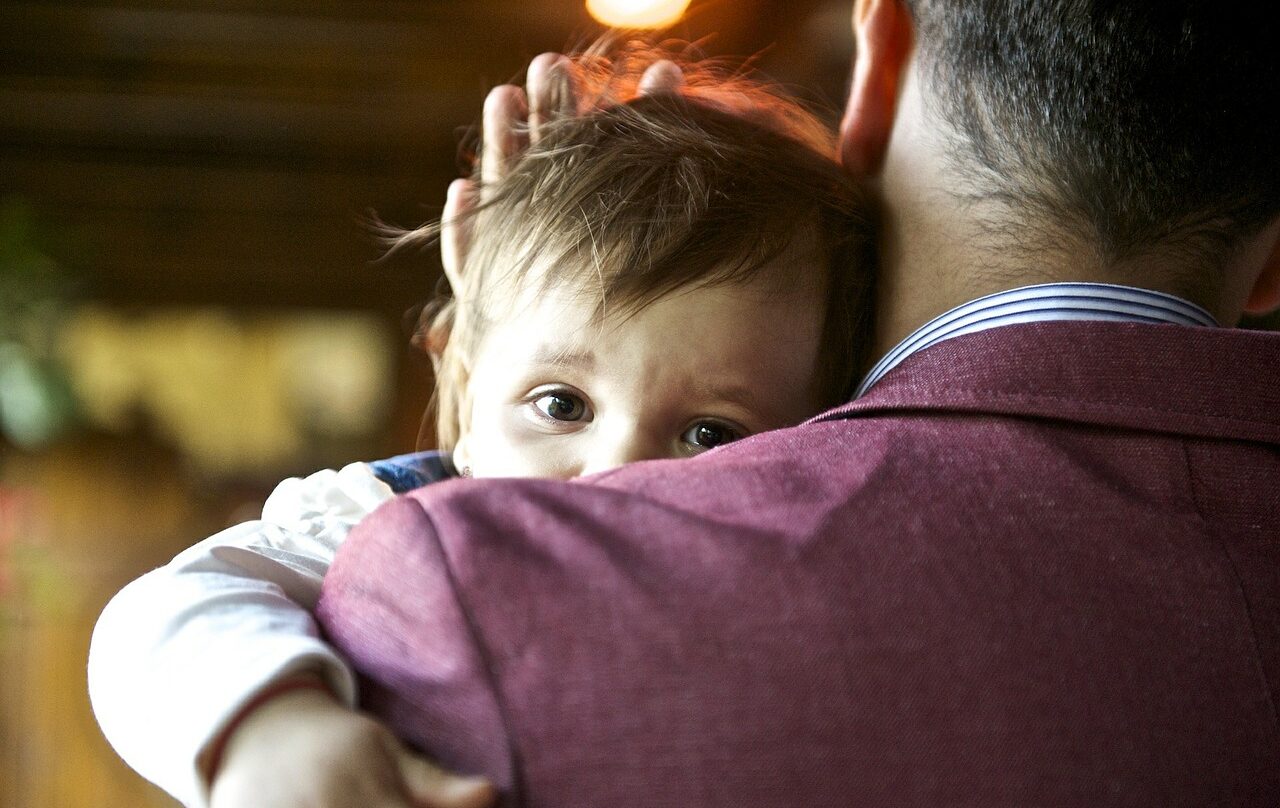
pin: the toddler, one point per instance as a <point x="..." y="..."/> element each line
<point x="661" y="275"/>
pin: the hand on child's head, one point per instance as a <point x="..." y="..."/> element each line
<point x="513" y="119"/>
<point x="682" y="192"/>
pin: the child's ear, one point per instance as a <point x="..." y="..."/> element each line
<point x="434" y="340"/>
<point x="461" y="456"/>
<point x="431" y="332"/>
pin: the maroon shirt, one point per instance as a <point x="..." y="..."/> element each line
<point x="1038" y="565"/>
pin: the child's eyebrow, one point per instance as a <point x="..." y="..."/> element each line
<point x="564" y="359"/>
<point x="741" y="394"/>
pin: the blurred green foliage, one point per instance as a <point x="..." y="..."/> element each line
<point x="36" y="404"/>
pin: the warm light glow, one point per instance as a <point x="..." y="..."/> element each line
<point x="637" y="13"/>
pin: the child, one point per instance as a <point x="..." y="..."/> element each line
<point x="662" y="275"/>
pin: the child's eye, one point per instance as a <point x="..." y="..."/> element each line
<point x="709" y="434"/>
<point x="561" y="406"/>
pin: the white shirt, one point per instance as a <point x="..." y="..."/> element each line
<point x="178" y="652"/>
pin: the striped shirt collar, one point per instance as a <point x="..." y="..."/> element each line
<point x="1043" y="303"/>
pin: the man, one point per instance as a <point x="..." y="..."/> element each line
<point x="1037" y="562"/>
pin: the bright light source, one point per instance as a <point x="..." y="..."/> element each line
<point x="637" y="13"/>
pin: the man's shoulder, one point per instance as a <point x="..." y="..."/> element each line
<point x="901" y="586"/>
<point x="790" y="484"/>
<point x="1059" y="429"/>
<point x="1215" y="383"/>
<point x="887" y="590"/>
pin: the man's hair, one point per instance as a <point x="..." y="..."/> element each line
<point x="645" y="195"/>
<point x="1145" y="129"/>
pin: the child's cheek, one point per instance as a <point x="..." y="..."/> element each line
<point x="510" y="444"/>
<point x="535" y="452"/>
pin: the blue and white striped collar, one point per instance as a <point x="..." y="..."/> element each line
<point x="1043" y="303"/>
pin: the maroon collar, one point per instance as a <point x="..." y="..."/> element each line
<point x="1201" y="382"/>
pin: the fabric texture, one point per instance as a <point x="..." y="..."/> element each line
<point x="1037" y="565"/>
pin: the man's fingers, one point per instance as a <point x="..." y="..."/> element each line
<point x="505" y="132"/>
<point x="551" y="91"/>
<point x="513" y="117"/>
<point x="663" y="76"/>
<point x="429" y="786"/>
<point x="456" y="229"/>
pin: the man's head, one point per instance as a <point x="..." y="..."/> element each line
<point x="1129" y="139"/>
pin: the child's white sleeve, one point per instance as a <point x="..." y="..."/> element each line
<point x="178" y="652"/>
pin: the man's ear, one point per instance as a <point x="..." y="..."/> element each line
<point x="1264" y="298"/>
<point x="883" y="33"/>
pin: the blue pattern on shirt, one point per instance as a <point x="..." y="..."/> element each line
<point x="1040" y="303"/>
<point x="406" y="472"/>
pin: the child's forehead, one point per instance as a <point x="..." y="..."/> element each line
<point x="558" y="311"/>
<point x="546" y="275"/>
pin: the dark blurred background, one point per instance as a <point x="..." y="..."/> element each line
<point x="189" y="304"/>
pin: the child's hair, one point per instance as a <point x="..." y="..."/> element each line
<point x="644" y="195"/>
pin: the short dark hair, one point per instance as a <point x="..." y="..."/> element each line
<point x="645" y="195"/>
<point x="1146" y="127"/>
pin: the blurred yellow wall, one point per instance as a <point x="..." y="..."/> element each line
<point x="81" y="522"/>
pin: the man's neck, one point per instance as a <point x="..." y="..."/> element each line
<point x="934" y="256"/>
<point x="927" y="278"/>
<point x="953" y="253"/>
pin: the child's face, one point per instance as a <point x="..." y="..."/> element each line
<point x="556" y="392"/>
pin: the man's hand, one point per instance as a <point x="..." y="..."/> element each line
<point x="513" y="119"/>
<point x="302" y="749"/>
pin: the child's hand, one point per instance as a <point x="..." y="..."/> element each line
<point x="302" y="748"/>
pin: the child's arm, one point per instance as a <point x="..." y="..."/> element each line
<point x="302" y="748"/>
<point x="181" y="652"/>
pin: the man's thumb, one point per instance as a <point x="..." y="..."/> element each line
<point x="429" y="786"/>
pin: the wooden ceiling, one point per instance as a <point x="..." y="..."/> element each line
<point x="225" y="151"/>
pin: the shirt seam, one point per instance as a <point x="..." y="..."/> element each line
<point x="1239" y="585"/>
<point x="973" y="396"/>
